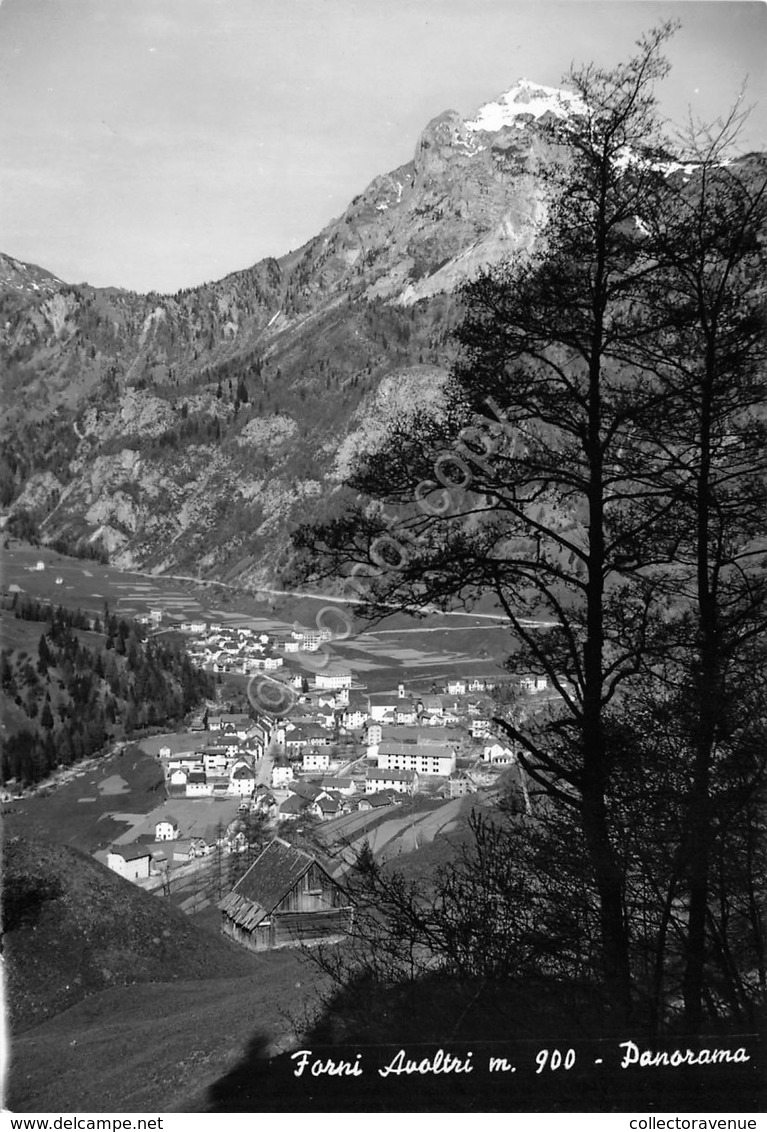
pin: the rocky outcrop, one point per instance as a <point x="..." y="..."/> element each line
<point x="193" y="429"/>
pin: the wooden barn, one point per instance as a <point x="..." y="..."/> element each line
<point x="285" y="899"/>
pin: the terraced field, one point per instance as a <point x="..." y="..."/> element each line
<point x="389" y="832"/>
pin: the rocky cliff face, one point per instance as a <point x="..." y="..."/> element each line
<point x="189" y="431"/>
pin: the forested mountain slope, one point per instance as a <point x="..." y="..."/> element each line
<point x="188" y="431"/>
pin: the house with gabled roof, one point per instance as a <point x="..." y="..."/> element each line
<point x="306" y="789"/>
<point x="130" y="861"/>
<point x="264" y="801"/>
<point x="382" y="705"/>
<point x="355" y="713"/>
<point x="345" y="786"/>
<point x="242" y="779"/>
<point x="379" y="800"/>
<point x="406" y="712"/>
<point x="328" y="806"/>
<point x="498" y="754"/>
<point x="481" y="727"/>
<point x="188" y="848"/>
<point x="293" y="807"/>
<point x="282" y="774"/>
<point x="285" y="899"/>
<point x="197" y="784"/>
<point x="403" y="781"/>
<point x="431" y="706"/>
<point x="167" y="829"/>
<point x="315" y="760"/>
<point x="306" y="735"/>
<point x="237" y="723"/>
<point x="177" y="780"/>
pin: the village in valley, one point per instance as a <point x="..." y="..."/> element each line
<point x="339" y="767"/>
<point x="315" y="746"/>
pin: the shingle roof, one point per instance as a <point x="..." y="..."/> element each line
<point x="266" y="882"/>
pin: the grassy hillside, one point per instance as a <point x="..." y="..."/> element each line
<point x="156" y="1047"/>
<point x="118" y="1001"/>
<point x="73" y="928"/>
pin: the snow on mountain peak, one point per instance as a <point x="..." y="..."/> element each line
<point x="525" y="97"/>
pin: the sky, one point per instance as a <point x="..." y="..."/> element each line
<point x="160" y="144"/>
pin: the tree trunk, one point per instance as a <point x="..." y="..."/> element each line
<point x="708" y="696"/>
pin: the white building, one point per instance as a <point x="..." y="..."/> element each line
<point x="345" y="786"/>
<point x="282" y="775"/>
<point x="354" y="717"/>
<point x="333" y="678"/>
<point x="406" y="712"/>
<point x="533" y="684"/>
<point x="185" y="760"/>
<point x="315" y="760"/>
<point x="382" y="704"/>
<point x="215" y="760"/>
<point x="426" y="760"/>
<point x="242" y="780"/>
<point x="166" y="829"/>
<point x="197" y="785"/>
<point x="130" y="861"/>
<point x="401" y="781"/>
<point x="498" y="755"/>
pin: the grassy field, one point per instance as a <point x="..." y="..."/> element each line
<point x="81" y="583"/>
<point x="78" y="812"/>
<point x="420" y="651"/>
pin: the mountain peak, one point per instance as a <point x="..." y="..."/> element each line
<point x="26" y="277"/>
<point x="524" y="98"/>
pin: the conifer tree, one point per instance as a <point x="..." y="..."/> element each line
<point x="554" y="477"/>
